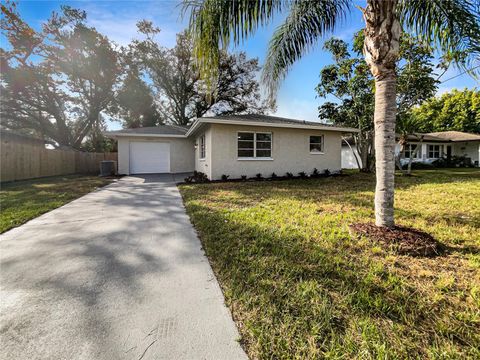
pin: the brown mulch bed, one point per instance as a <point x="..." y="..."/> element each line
<point x="403" y="240"/>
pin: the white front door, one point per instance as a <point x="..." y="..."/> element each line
<point x="149" y="157"/>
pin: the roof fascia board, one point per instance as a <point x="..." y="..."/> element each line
<point x="143" y="135"/>
<point x="193" y="128"/>
<point x="268" y="124"/>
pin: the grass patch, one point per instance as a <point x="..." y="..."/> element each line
<point x="24" y="200"/>
<point x="301" y="287"/>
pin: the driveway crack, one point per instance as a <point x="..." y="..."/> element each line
<point x="145" y="351"/>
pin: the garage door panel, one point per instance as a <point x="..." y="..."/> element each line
<point x="149" y="157"/>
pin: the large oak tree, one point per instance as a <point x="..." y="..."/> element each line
<point x="181" y="93"/>
<point x="56" y="82"/>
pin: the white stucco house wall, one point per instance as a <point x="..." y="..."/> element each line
<point x="232" y="145"/>
<point x="431" y="146"/>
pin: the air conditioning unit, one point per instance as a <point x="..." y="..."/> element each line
<point x="108" y="168"/>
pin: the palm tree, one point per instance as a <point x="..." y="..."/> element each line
<point x="452" y="25"/>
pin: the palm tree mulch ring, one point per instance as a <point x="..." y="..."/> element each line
<point x="403" y="240"/>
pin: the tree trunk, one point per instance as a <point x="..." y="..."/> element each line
<point x="385" y="113"/>
<point x="414" y="155"/>
<point x="409" y="168"/>
<point x="362" y="148"/>
<point x="398" y="157"/>
<point x="381" y="48"/>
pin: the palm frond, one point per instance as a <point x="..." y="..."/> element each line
<point x="454" y="25"/>
<point x="305" y="24"/>
<point x="214" y="23"/>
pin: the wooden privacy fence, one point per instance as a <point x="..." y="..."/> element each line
<point x="22" y="160"/>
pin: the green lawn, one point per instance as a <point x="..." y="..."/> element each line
<point x="300" y="286"/>
<point x="24" y="200"/>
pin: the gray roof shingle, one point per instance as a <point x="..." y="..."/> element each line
<point x="152" y="130"/>
<point x="268" y="119"/>
<point x="439" y="137"/>
<point x="174" y="130"/>
<point x="445" y="136"/>
<point x="455" y="136"/>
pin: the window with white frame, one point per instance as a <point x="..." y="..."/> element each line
<point x="254" y="144"/>
<point x="435" y="151"/>
<point x="411" y="151"/>
<point x="202" y="152"/>
<point x="316" y="144"/>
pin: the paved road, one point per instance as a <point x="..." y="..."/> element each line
<point x="116" y="274"/>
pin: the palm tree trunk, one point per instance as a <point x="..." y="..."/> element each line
<point x="385" y="113"/>
<point x="381" y="48"/>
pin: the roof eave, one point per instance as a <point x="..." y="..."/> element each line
<point x="198" y="123"/>
<point x="113" y="135"/>
<point x="465" y="140"/>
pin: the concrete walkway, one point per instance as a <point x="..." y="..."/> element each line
<point x="116" y="274"/>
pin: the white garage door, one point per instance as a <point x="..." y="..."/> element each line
<point x="149" y="157"/>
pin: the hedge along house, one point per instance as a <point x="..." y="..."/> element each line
<point x="231" y="145"/>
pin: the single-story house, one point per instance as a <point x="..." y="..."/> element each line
<point x="231" y="145"/>
<point x="431" y="146"/>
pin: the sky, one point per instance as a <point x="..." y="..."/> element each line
<point x="296" y="98"/>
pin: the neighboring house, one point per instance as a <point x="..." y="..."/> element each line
<point x="232" y="145"/>
<point x="18" y="138"/>
<point x="431" y="146"/>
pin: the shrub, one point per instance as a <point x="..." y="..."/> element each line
<point x="244" y="177"/>
<point x="225" y="177"/>
<point x="259" y="176"/>
<point x="315" y="173"/>
<point x="303" y="175"/>
<point x="273" y="176"/>
<point x="444" y="162"/>
<point x="327" y="172"/>
<point x="289" y="175"/>
<point x="419" y="166"/>
<point x="454" y="161"/>
<point x="197" y="177"/>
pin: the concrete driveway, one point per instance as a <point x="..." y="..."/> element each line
<point x="116" y="274"/>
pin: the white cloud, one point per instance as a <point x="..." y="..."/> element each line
<point x="120" y="32"/>
<point x="113" y="125"/>
<point x="119" y="25"/>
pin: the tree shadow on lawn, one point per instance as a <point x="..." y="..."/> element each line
<point x="298" y="297"/>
